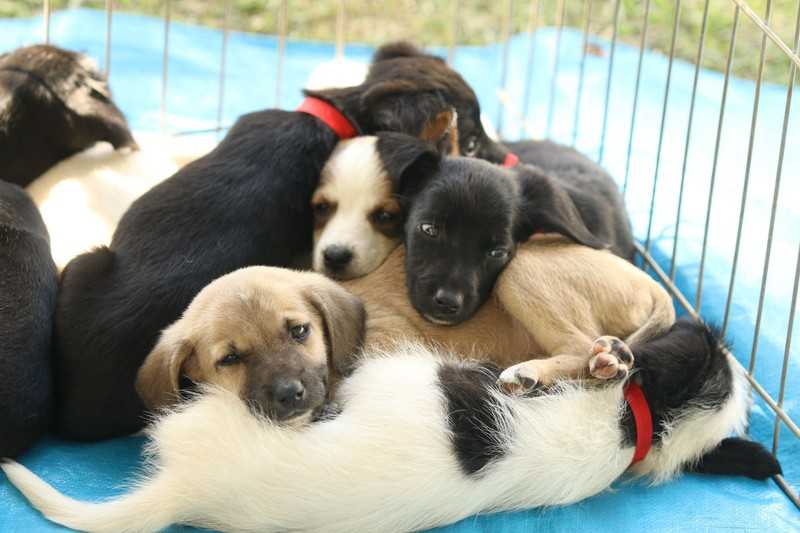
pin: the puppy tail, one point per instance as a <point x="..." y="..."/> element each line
<point x="739" y="457"/>
<point x="142" y="510"/>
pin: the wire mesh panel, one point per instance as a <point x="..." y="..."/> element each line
<point x="701" y="154"/>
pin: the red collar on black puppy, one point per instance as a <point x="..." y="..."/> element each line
<point x="642" y="418"/>
<point x="328" y="114"/>
<point x="511" y="160"/>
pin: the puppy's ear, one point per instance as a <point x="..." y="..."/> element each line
<point x="399" y="49"/>
<point x="159" y="376"/>
<point x="546" y="207"/>
<point x="408" y="161"/>
<point x="343" y="316"/>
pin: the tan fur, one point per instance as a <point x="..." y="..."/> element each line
<point x="553" y="301"/>
<point x="549" y="306"/>
<point x="248" y="311"/>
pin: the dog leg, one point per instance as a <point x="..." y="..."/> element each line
<point x="609" y="358"/>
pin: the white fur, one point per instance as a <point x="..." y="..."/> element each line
<point x="83" y="197"/>
<point x="386" y="463"/>
<point x="355" y="180"/>
<point x="338" y="72"/>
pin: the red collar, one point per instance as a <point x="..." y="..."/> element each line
<point x="329" y="115"/>
<point x="642" y="418"/>
<point x="511" y="160"/>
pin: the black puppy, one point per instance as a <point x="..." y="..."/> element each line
<point x="53" y="104"/>
<point x="592" y="189"/>
<point x="245" y="203"/>
<point x="464" y="226"/>
<point x="28" y="284"/>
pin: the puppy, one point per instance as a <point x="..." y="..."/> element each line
<point x="53" y="104"/>
<point x="593" y="191"/>
<point x="444" y="445"/>
<point x="368" y="185"/>
<point x="245" y="203"/>
<point x="266" y="334"/>
<point x="28" y="284"/>
<point x="360" y="204"/>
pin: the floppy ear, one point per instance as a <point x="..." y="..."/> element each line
<point x="546" y="207"/>
<point x="407" y="160"/>
<point x="400" y="49"/>
<point x="159" y="376"/>
<point x="344" y="319"/>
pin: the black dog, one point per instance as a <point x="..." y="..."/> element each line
<point x="591" y="188"/>
<point x="28" y="284"/>
<point x="464" y="225"/>
<point x="53" y="104"/>
<point x="245" y="203"/>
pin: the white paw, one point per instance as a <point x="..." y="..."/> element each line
<point x="611" y="359"/>
<point x="519" y="379"/>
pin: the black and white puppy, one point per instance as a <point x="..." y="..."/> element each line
<point x="53" y="104"/>
<point x="245" y="203"/>
<point x="445" y="445"/>
<point x="28" y="284"/>
<point x="591" y="188"/>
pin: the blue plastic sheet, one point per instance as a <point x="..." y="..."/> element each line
<point x="691" y="503"/>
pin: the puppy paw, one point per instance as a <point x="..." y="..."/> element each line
<point x="611" y="359"/>
<point x="519" y="379"/>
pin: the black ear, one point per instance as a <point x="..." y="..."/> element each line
<point x="739" y="457"/>
<point x="408" y="161"/>
<point x="546" y="207"/>
<point x="399" y="49"/>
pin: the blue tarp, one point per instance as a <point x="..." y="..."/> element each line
<point x="691" y="503"/>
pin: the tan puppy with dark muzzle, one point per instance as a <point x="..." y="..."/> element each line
<point x="265" y="333"/>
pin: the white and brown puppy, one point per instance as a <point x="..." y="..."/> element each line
<point x="363" y="192"/>
<point x="443" y="445"/>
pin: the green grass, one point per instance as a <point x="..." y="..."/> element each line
<point x="481" y="21"/>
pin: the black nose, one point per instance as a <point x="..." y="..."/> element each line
<point x="337" y="257"/>
<point x="289" y="395"/>
<point x="448" y="302"/>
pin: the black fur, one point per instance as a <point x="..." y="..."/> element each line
<point x="591" y="188"/>
<point x="52" y="105"/>
<point x="686" y="367"/>
<point x="245" y="203"/>
<point x="28" y="284"/>
<point x="471" y="413"/>
<point x="408" y="162"/>
<point x="405" y="66"/>
<point x="739" y="457"/>
<point x="477" y="208"/>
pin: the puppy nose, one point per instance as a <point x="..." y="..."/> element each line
<point x="448" y="301"/>
<point x="289" y="395"/>
<point x="337" y="257"/>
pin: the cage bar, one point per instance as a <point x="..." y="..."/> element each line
<point x="562" y="6"/>
<point x="608" y="82"/>
<point x="635" y="109"/>
<point x="664" y="106"/>
<point x="698" y="63"/>
<point x="582" y="70"/>
<point x="533" y="24"/>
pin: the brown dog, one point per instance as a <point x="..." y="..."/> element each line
<point x="266" y="333"/>
<point x="553" y="301"/>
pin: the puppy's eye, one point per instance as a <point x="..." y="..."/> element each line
<point x="498" y="253"/>
<point x="230" y="359"/>
<point x="429" y="229"/>
<point x="321" y="209"/>
<point x="383" y="217"/>
<point x="471" y="147"/>
<point x="300" y="332"/>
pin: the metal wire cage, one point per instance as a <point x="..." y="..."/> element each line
<point x="517" y="115"/>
